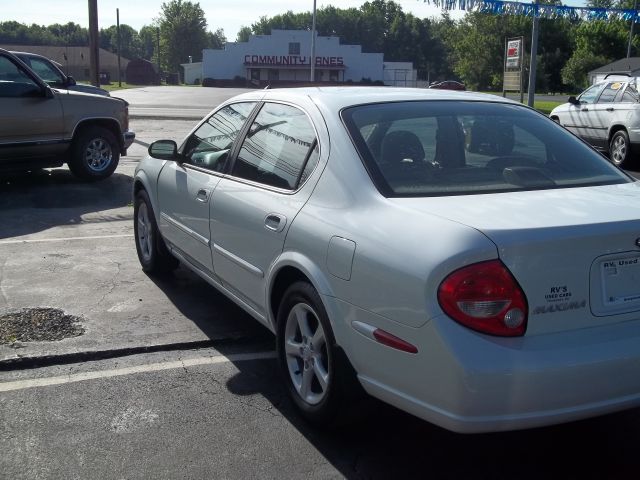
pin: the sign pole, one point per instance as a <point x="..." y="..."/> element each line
<point x="118" y="30"/>
<point x="633" y="21"/>
<point x="534" y="54"/>
<point x="506" y="52"/>
<point x="522" y="71"/>
<point x="313" y="44"/>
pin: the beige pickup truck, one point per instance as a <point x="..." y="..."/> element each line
<point x="42" y="127"/>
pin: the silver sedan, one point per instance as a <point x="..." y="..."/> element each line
<point x="457" y="255"/>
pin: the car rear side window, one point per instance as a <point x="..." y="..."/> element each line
<point x="456" y="148"/>
<point x="209" y="146"/>
<point x="630" y="95"/>
<point x="610" y="91"/>
<point x="278" y="146"/>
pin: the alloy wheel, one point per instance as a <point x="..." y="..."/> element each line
<point x="98" y="154"/>
<point x="144" y="233"/>
<point x="306" y="354"/>
<point x="618" y="150"/>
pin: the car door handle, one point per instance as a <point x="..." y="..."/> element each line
<point x="585" y="109"/>
<point x="202" y="195"/>
<point x="610" y="109"/>
<point x="275" y="222"/>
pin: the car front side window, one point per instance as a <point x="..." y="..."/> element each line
<point x="209" y="146"/>
<point x="590" y="94"/>
<point x="47" y="72"/>
<point x="14" y="82"/>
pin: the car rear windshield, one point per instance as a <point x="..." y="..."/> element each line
<point x="428" y="148"/>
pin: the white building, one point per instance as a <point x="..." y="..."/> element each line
<point x="285" y="56"/>
<point x="192" y="73"/>
<point x="624" y="66"/>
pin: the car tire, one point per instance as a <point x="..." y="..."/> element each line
<point x="152" y="251"/>
<point x="95" y="153"/>
<point x="620" y="149"/>
<point x="318" y="376"/>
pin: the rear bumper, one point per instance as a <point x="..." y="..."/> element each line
<point x="471" y="383"/>
<point x="634" y="136"/>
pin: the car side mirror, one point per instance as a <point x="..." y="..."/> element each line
<point x="48" y="92"/>
<point x="71" y="81"/>
<point x="165" y="150"/>
<point x="573" y="100"/>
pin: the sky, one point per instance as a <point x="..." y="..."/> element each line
<point x="229" y="15"/>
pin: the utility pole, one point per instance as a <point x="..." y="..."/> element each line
<point x="313" y="44"/>
<point x="534" y="54"/>
<point x="94" y="46"/>
<point x="118" y="31"/>
<point x="633" y="22"/>
<point x="158" y="52"/>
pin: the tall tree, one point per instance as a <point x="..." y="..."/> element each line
<point x="148" y="42"/>
<point x="596" y="43"/>
<point x="216" y="39"/>
<point x="243" y="34"/>
<point x="183" y="32"/>
<point x="129" y="41"/>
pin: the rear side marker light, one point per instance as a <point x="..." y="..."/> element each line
<point x="392" y="341"/>
<point x="485" y="297"/>
<point x="383" y="337"/>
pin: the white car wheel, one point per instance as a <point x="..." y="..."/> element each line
<point x="620" y="148"/>
<point x="152" y="251"/>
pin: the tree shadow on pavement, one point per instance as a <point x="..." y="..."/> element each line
<point x="35" y="201"/>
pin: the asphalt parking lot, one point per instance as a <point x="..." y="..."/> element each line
<point x="171" y="380"/>
<point x="69" y="245"/>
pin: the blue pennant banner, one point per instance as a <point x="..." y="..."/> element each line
<point x="498" y="7"/>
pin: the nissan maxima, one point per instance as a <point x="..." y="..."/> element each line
<point x="457" y="255"/>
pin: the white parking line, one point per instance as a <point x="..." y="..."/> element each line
<point x="118" y="372"/>
<point x="63" y="239"/>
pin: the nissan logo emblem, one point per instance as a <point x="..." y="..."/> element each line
<point x="637" y="242"/>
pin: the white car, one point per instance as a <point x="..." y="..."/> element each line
<point x="457" y="255"/>
<point x="607" y="116"/>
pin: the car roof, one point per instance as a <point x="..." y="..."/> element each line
<point x="27" y="54"/>
<point x="337" y="98"/>
<point x="34" y="55"/>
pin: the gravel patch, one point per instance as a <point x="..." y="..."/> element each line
<point x="37" y="325"/>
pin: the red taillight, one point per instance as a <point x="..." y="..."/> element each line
<point x="485" y="297"/>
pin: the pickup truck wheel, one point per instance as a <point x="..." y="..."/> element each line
<point x="620" y="149"/>
<point x="95" y="154"/>
<point x="152" y="252"/>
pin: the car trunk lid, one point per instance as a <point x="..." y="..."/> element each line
<point x="575" y="252"/>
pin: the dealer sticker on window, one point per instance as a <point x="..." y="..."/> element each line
<point x="621" y="281"/>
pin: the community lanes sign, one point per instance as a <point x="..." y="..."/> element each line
<point x="291" y="60"/>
